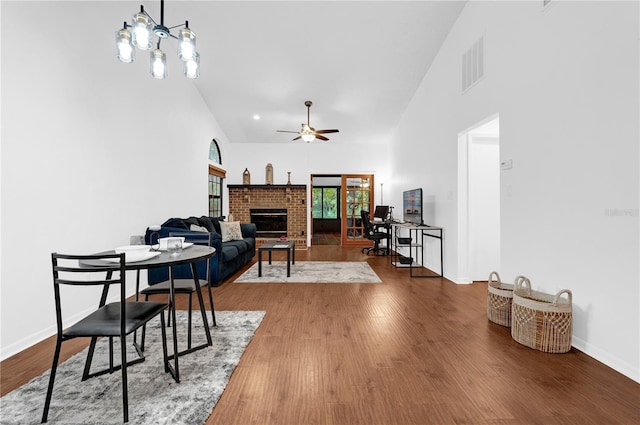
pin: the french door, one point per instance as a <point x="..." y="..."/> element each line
<point x="357" y="195"/>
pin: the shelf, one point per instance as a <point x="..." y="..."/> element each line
<point x="402" y="265"/>
<point x="416" y="233"/>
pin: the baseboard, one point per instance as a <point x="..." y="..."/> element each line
<point x="607" y="359"/>
<point x="24" y="343"/>
<point x="33" y="339"/>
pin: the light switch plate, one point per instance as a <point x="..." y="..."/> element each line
<point x="507" y="164"/>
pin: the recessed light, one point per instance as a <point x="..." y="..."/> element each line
<point x="256" y="117"/>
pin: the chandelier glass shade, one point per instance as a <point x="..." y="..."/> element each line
<point x="125" y="52"/>
<point x="158" y="64"/>
<point x="142" y="31"/>
<point x="191" y="67"/>
<point x="141" y="34"/>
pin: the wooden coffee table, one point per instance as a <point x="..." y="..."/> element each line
<point x="289" y="246"/>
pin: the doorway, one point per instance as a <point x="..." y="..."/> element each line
<point x="325" y="209"/>
<point x="479" y="200"/>
<point x="336" y="204"/>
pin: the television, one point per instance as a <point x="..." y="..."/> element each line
<point x="412" y="206"/>
<point x="381" y="212"/>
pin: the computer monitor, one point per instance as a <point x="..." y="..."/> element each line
<point x="381" y="212"/>
<point x="412" y="206"/>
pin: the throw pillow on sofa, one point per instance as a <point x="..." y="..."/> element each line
<point x="211" y="223"/>
<point x="231" y="231"/>
<point x="196" y="228"/>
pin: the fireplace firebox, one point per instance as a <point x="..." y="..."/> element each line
<point x="270" y="222"/>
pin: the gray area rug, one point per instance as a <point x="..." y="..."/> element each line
<point x="154" y="397"/>
<point x="311" y="272"/>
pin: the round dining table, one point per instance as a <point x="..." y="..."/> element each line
<point x="157" y="259"/>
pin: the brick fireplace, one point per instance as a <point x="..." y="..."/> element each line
<point x="291" y="198"/>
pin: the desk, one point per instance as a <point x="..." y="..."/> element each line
<point x="190" y="256"/>
<point x="415" y="230"/>
<point x="289" y="246"/>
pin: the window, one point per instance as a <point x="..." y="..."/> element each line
<point x="216" y="178"/>
<point x="214" y="152"/>
<point x="325" y="203"/>
<point x="215" y="196"/>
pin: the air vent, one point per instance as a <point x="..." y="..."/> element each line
<point x="473" y="65"/>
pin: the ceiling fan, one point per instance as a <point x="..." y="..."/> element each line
<point x="308" y="133"/>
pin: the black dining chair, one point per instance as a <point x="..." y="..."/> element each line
<point x="111" y="320"/>
<point x="185" y="286"/>
<point x="372" y="234"/>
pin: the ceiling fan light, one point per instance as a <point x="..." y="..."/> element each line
<point x="158" y="65"/>
<point x="308" y="137"/>
<point x="125" y="52"/>
<point x="142" y="31"/>
<point x="192" y="67"/>
<point x="186" y="44"/>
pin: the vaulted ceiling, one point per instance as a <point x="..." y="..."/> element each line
<point x="360" y="62"/>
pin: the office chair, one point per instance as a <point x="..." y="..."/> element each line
<point x="184" y="286"/>
<point x="371" y="233"/>
<point x="112" y="320"/>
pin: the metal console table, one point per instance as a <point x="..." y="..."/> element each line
<point x="417" y="234"/>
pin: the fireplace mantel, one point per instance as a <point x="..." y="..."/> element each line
<point x="267" y="186"/>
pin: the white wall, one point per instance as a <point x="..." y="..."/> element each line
<point x="339" y="156"/>
<point x="93" y="151"/>
<point x="565" y="83"/>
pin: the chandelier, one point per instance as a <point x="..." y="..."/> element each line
<point x="140" y="34"/>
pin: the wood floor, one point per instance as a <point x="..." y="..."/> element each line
<point x="325" y="238"/>
<point x="406" y="351"/>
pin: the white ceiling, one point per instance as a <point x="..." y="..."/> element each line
<point x="360" y="62"/>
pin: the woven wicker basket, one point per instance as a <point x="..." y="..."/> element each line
<point x="499" y="299"/>
<point x="499" y="296"/>
<point x="541" y="321"/>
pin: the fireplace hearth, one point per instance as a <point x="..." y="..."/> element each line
<point x="270" y="222"/>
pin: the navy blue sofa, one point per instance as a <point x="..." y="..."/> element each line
<point x="230" y="256"/>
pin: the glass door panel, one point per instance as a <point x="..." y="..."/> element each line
<point x="357" y="195"/>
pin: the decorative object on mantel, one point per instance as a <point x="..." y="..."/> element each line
<point x="288" y="178"/>
<point x="268" y="178"/>
<point x="246" y="176"/>
<point x="140" y="35"/>
<point x="230" y="219"/>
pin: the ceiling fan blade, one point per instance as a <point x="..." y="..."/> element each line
<point x="327" y="131"/>
<point x="297" y="138"/>
<point x="321" y="137"/>
<point x="287" y="131"/>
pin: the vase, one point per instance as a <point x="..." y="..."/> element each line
<point x="246" y="177"/>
